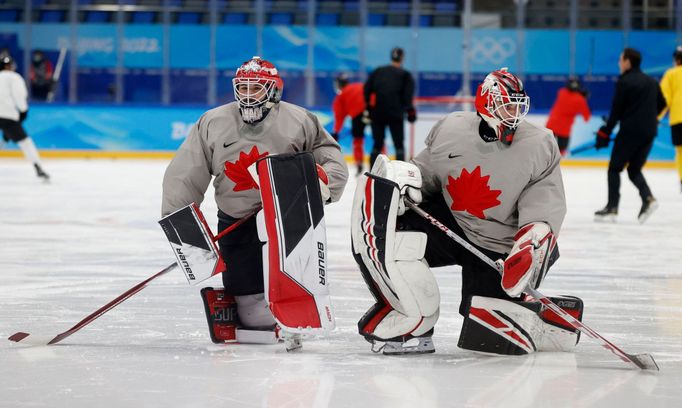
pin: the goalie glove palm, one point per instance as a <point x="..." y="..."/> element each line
<point x="528" y="259"/>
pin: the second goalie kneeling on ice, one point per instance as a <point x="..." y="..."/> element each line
<point x="494" y="180"/>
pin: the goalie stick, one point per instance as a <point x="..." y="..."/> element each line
<point x="33" y="340"/>
<point x="583" y="148"/>
<point x="643" y="361"/>
<point x="589" y="145"/>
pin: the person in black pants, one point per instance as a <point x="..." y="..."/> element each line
<point x="636" y="104"/>
<point x="388" y="96"/>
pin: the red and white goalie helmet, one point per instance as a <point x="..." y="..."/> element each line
<point x="257" y="87"/>
<point x="502" y="102"/>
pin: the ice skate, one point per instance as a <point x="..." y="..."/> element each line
<point x="606" y="214"/>
<point x="414" y="345"/>
<point x="648" y="207"/>
<point x="41" y="173"/>
<point x="292" y="341"/>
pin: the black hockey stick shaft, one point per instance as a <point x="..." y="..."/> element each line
<point x="643" y="361"/>
<point x="588" y="146"/>
<point x="583" y="148"/>
<point x="19" y="336"/>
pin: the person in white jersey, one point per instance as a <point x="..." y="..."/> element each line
<point x="13" y="112"/>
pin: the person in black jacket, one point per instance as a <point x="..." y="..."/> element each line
<point x="636" y="104"/>
<point x="388" y="96"/>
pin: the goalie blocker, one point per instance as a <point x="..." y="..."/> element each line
<point x="193" y="244"/>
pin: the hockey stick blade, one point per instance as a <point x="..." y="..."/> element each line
<point x="30" y="339"/>
<point x="643" y="361"/>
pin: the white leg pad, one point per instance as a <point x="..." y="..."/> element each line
<point x="393" y="265"/>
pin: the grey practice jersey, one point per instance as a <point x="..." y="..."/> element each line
<point x="492" y="188"/>
<point x="221" y="145"/>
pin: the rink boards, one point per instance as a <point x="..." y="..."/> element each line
<point x="65" y="131"/>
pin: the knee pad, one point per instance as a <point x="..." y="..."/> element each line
<point x="500" y="326"/>
<point x="392" y="264"/>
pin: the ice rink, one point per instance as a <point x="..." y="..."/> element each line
<point x="73" y="245"/>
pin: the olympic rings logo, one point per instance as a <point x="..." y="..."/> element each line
<point x="493" y="50"/>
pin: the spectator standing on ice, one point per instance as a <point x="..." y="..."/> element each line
<point x="636" y="105"/>
<point x="350" y="101"/>
<point x="671" y="86"/>
<point x="388" y="95"/>
<point x="571" y="101"/>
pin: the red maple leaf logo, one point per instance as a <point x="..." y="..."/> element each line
<point x="470" y="192"/>
<point x="238" y="173"/>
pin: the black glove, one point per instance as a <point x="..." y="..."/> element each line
<point x="411" y="115"/>
<point x="603" y="138"/>
<point x="335" y="136"/>
<point x="22" y="116"/>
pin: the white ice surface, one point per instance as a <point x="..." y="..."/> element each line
<point x="71" y="246"/>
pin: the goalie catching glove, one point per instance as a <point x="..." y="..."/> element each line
<point x="528" y="259"/>
<point x="406" y="175"/>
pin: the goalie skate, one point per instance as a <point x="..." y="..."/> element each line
<point x="292" y="341"/>
<point x="414" y="345"/>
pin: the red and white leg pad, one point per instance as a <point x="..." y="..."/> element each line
<point x="501" y="326"/>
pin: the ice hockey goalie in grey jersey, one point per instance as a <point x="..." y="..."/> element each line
<point x="492" y="178"/>
<point x="222" y="145"/>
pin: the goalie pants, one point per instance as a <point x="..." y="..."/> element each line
<point x="478" y="278"/>
<point x="242" y="251"/>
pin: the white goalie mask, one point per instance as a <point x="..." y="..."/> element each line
<point x="257" y="88"/>
<point x="502" y="102"/>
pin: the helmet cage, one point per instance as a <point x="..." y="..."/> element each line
<point x="254" y="92"/>
<point x="510" y="110"/>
